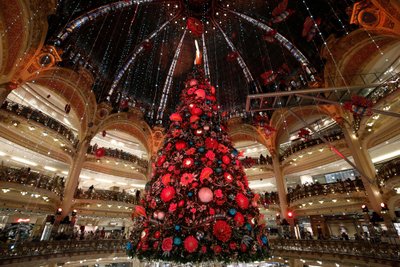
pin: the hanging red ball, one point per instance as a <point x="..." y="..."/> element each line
<point x="175" y="117"/>
<point x="195" y="26"/>
<point x="100" y="152"/>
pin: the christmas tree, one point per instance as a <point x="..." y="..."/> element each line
<point x="198" y="206"/>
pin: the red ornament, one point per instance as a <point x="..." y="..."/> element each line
<point x="210" y="155"/>
<point x="222" y="231"/>
<point x="218" y="193"/>
<point x="167" y="194"/>
<point x="188" y="162"/>
<point x="161" y="160"/>
<point x="100" y="152"/>
<point x="217" y="249"/>
<point x="198" y="132"/>
<point x="180" y="145"/>
<point x="186" y="179"/>
<point x="205" y="173"/>
<point x="211" y="143"/>
<point x="147" y="45"/>
<point x="243" y="247"/>
<point x="196" y="111"/>
<point x="190" y="244"/>
<point x="167" y="244"/>
<point x="239" y="219"/>
<point x="157" y="234"/>
<point x="172" y="207"/>
<point x="166" y="179"/>
<point x="194" y="118"/>
<point x="228" y="177"/>
<point x="195" y="26"/>
<point x="242" y="201"/>
<point x="175" y="117"/>
<point x="226" y="159"/>
<point x="200" y="94"/>
<point x="139" y="212"/>
<point x="232" y="56"/>
<point x="124" y="104"/>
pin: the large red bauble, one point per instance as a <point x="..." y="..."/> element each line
<point x="100" y="152"/>
<point x="195" y="26"/>
<point x="196" y="111"/>
<point x="167" y="194"/>
<point x="180" y="145"/>
<point x="242" y="201"/>
<point x="200" y="93"/>
<point x="205" y="195"/>
<point x="205" y="173"/>
<point x="226" y="159"/>
<point x="194" y="118"/>
<point x="222" y="231"/>
<point x="190" y="244"/>
<point x="175" y="117"/>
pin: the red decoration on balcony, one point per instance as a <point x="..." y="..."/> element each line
<point x="12" y="86"/>
<point x="195" y="26"/>
<point x="304" y="133"/>
<point x="100" y="152"/>
<point x="232" y="56"/>
<point x="359" y="106"/>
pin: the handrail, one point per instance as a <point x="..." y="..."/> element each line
<point x="309" y="143"/>
<point x="122" y="155"/>
<point x="53" y="249"/>
<point x="360" y="249"/>
<point x="106" y="195"/>
<point x="388" y="170"/>
<point x="32" y="179"/>
<point x="316" y="189"/>
<point x="41" y="118"/>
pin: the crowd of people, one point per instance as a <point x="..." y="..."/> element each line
<point x="268" y="198"/>
<point x="388" y="169"/>
<point x="120" y="154"/>
<point x="40" y="117"/>
<point x="28" y="177"/>
<point x="108" y="195"/>
<point x="316" y="189"/>
<point x="309" y="142"/>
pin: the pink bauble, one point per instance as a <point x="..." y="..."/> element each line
<point x="161" y="215"/>
<point x="193" y="82"/>
<point x="205" y="195"/>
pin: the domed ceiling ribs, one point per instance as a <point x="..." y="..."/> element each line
<point x="282" y="40"/>
<point x="205" y="58"/>
<point x="121" y="72"/>
<point x="93" y="15"/>
<point x="169" y="80"/>
<point x="239" y="59"/>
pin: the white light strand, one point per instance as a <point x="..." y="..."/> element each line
<point x="205" y="58"/>
<point x="240" y="60"/>
<point x="133" y="56"/>
<point x="169" y="80"/>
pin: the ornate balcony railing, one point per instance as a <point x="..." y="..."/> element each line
<point x="32" y="179"/>
<point x="41" y="118"/>
<point x="106" y="195"/>
<point x="53" y="249"/>
<point x="269" y="198"/>
<point x="388" y="87"/>
<point x="305" y="191"/>
<point x="360" y="250"/>
<point x="388" y="170"/>
<point x="122" y="155"/>
<point x="296" y="147"/>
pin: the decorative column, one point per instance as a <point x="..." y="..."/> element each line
<point x="364" y="163"/>
<point x="280" y="185"/>
<point x="73" y="177"/>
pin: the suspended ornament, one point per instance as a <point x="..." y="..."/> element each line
<point x="67" y="108"/>
<point x="147" y="45"/>
<point x="100" y="152"/>
<point x="12" y="85"/>
<point x="139" y="211"/>
<point x="280" y="8"/>
<point x="268" y="77"/>
<point x="270" y="36"/>
<point x="232" y="56"/>
<point x="359" y="106"/>
<point x="195" y="26"/>
<point x="304" y="133"/>
<point x="310" y="28"/>
<point x="269" y="130"/>
<point x="283" y="16"/>
<point x="124" y="104"/>
<point x="175" y="117"/>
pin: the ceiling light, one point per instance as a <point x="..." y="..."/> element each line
<point x="64" y="172"/>
<point x="321" y="201"/>
<point x="103" y="180"/>
<point x="126" y="208"/>
<point x="5" y="190"/>
<point x="2" y="153"/>
<point x="32" y="128"/>
<point x="25" y="161"/>
<point x="45" y="134"/>
<point x="99" y="205"/>
<point x="24" y="193"/>
<point x="50" y="168"/>
<point x="334" y="200"/>
<point x="109" y="205"/>
<point x="55" y="139"/>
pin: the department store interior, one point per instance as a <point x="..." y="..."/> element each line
<point x="307" y="91"/>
